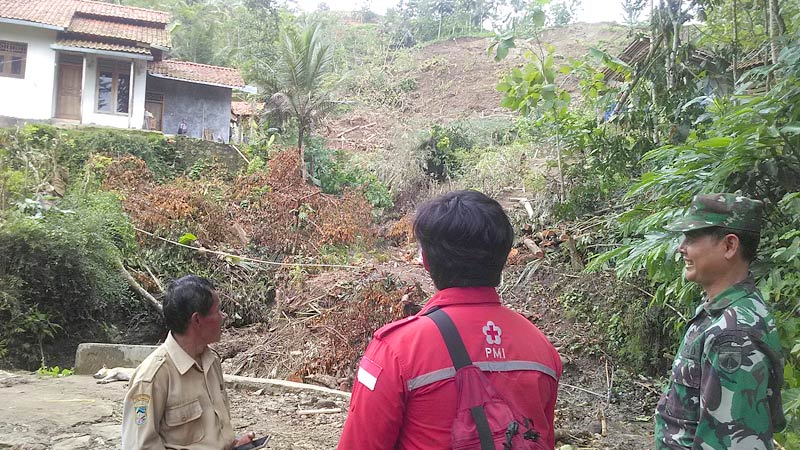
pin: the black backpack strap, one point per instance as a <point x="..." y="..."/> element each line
<point x="482" y="424"/>
<point x="458" y="353"/>
<point x="460" y="357"/>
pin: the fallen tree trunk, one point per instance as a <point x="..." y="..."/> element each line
<point x="138" y="288"/>
<point x="537" y="252"/>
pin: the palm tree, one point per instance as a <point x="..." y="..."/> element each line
<point x="305" y="59"/>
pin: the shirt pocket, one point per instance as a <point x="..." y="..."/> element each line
<point x="683" y="398"/>
<point x="182" y="423"/>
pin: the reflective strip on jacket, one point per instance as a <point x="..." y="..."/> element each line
<point x="404" y="396"/>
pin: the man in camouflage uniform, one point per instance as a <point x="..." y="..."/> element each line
<point x="724" y="390"/>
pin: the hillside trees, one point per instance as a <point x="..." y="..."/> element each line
<point x="305" y="60"/>
<point x="677" y="124"/>
<point x="243" y="34"/>
<point x="750" y="145"/>
<point x="419" y="21"/>
<point x="632" y="9"/>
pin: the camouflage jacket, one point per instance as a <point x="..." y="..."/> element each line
<point x="724" y="389"/>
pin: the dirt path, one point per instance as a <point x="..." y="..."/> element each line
<point x="39" y="413"/>
<point x="74" y="413"/>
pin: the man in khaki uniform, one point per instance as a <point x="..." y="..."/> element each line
<point x="177" y="398"/>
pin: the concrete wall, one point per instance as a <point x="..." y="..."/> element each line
<point x="90" y="357"/>
<point x="202" y="106"/>
<point x="32" y="97"/>
<point x="135" y="118"/>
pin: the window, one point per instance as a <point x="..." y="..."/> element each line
<point x="113" y="86"/>
<point x="12" y="59"/>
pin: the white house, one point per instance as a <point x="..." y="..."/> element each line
<point x="89" y="62"/>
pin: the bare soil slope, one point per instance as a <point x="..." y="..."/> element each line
<point x="456" y="79"/>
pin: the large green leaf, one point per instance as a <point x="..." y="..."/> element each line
<point x="187" y="239"/>
<point x="539" y="18"/>
<point x="791" y="128"/>
<point x="714" y="142"/>
<point x="502" y="52"/>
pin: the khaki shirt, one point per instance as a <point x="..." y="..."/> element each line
<point x="174" y="404"/>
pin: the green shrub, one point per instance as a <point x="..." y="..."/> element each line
<point x="59" y="277"/>
<point x="628" y="326"/>
<point x="445" y="150"/>
<point x="750" y="145"/>
<point x="334" y="171"/>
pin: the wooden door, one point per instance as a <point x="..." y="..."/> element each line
<point x="154" y="104"/>
<point x="68" y="97"/>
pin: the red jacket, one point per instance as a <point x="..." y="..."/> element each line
<point x="404" y="396"/>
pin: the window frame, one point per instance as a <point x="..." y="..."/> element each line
<point x="10" y="53"/>
<point x="118" y="67"/>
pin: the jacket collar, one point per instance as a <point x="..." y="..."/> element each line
<point x="184" y="362"/>
<point x="726" y="298"/>
<point x="462" y="296"/>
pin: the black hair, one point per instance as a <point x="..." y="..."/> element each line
<point x="748" y="240"/>
<point x="185" y="296"/>
<point x="466" y="237"/>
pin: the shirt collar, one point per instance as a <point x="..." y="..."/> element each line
<point x="727" y="297"/>
<point x="184" y="362"/>
<point x="462" y="296"/>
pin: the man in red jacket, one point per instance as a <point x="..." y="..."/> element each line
<point x="404" y="396"/>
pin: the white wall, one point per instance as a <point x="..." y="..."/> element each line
<point x="31" y="97"/>
<point x="139" y="88"/>
<point x="89" y="104"/>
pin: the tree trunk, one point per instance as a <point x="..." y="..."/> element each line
<point x="735" y="44"/>
<point x="560" y="169"/>
<point x="672" y="70"/>
<point x="774" y="25"/>
<point x="300" y="150"/>
<point x="640" y="71"/>
<point x="155" y="304"/>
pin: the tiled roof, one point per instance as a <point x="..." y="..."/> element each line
<point x="246" y="108"/>
<point x="122" y="12"/>
<point x="53" y="12"/>
<point x="201" y="73"/>
<point x="59" y="12"/>
<point x="756" y="58"/>
<point x="103" y="46"/>
<point x="129" y="32"/>
<point x="633" y="54"/>
<point x="92" y="23"/>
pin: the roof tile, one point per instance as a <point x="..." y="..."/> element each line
<point x="60" y="12"/>
<point x="106" y="28"/>
<point x="54" y="12"/>
<point x="246" y="108"/>
<point x="123" y="12"/>
<point x="202" y="73"/>
<point x="80" y="43"/>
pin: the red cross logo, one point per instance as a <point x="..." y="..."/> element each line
<point x="492" y="333"/>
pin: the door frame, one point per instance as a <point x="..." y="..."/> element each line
<point x="162" y="101"/>
<point x="80" y="67"/>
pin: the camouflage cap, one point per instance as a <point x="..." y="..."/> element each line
<point x="721" y="210"/>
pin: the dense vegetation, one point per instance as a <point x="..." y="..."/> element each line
<point x="677" y="123"/>
<point x="607" y="149"/>
<point x="92" y="218"/>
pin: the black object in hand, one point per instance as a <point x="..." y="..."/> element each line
<point x="252" y="445"/>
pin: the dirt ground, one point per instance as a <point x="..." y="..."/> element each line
<point x="72" y="413"/>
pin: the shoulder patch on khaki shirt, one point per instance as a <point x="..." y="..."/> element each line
<point x="149" y="372"/>
<point x="140" y="404"/>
